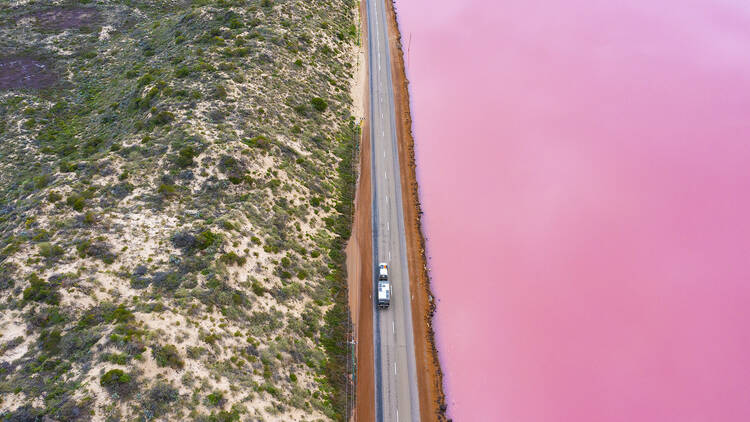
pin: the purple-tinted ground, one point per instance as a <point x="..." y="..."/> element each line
<point x="585" y="176"/>
<point x="66" y="17"/>
<point x="25" y="73"/>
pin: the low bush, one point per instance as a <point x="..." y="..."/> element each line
<point x="167" y="356"/>
<point x="258" y="289"/>
<point x="215" y="399"/>
<point x="167" y="190"/>
<point x="49" y="341"/>
<point x="185" y="157"/>
<point x="40" y="291"/>
<point x="116" y="358"/>
<point x="100" y="250"/>
<point x="169" y="281"/>
<point x="231" y="258"/>
<point x="75" y="201"/>
<point x="50" y="251"/>
<point x="206" y="238"/>
<point x="89" y="218"/>
<point x="119" y="315"/>
<point x="161" y="118"/>
<point x="259" y="141"/>
<point x="159" y="398"/>
<point x="42" y="181"/>
<point x="319" y="104"/>
<point x="118" y="381"/>
<point x="183" y="240"/>
<point x="53" y="197"/>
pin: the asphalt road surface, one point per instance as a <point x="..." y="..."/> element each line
<point x="396" y="393"/>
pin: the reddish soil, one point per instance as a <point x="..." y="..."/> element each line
<point x="359" y="263"/>
<point x="430" y="377"/>
<point x="25" y="73"/>
<point x="67" y="18"/>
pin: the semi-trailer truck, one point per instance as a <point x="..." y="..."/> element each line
<point x="384" y="286"/>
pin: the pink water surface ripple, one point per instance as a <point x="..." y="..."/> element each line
<point x="585" y="174"/>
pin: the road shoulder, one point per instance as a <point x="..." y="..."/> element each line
<point x="359" y="254"/>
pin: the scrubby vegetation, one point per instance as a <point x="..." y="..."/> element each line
<point x="176" y="187"/>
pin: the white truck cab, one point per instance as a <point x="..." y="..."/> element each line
<point x="383" y="271"/>
<point x="384" y="286"/>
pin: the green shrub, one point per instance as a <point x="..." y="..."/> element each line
<point x="116" y="358"/>
<point x="167" y="190"/>
<point x="183" y="71"/>
<point x="167" y="356"/>
<point x="67" y="167"/>
<point x="231" y="258"/>
<point x="319" y="104"/>
<point x="42" y="181"/>
<point x="220" y="92"/>
<point x="53" y="197"/>
<point x="185" y="157"/>
<point x="119" y="315"/>
<point x="259" y="141"/>
<point x="49" y="340"/>
<point x="114" y="378"/>
<point x="40" y="291"/>
<point x="89" y="218"/>
<point x="161" y="118"/>
<point x="158" y="399"/>
<point x="41" y="236"/>
<point x="75" y="201"/>
<point x="100" y="250"/>
<point x="91" y="146"/>
<point x="258" y="289"/>
<point x="209" y="338"/>
<point x="205" y="239"/>
<point x="215" y="399"/>
<point x="49" y="250"/>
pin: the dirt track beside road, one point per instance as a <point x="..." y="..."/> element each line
<point x="359" y="264"/>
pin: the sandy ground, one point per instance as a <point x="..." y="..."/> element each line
<point x="431" y="395"/>
<point x="359" y="251"/>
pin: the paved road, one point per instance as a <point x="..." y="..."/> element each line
<point x="396" y="394"/>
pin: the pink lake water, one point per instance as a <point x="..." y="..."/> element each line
<point x="584" y="169"/>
